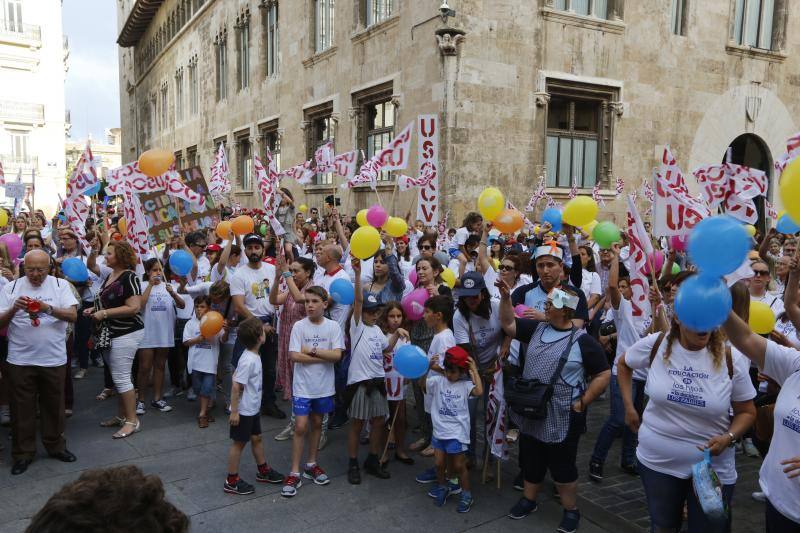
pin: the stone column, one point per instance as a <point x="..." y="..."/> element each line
<point x="449" y="41"/>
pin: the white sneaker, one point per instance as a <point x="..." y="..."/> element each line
<point x="80" y="374"/>
<point x="288" y="432"/>
<point x="759" y="496"/>
<point x="749" y="448"/>
<point x="161" y="405"/>
<point x="140" y="410"/>
<point x="323" y="440"/>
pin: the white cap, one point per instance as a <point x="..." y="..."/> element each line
<point x="550" y="248"/>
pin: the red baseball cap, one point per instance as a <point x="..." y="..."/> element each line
<point x="213" y="248"/>
<point x="457" y="356"/>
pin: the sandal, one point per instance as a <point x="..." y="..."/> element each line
<point x="105" y="395"/>
<point x="427" y="452"/>
<point x="202" y="422"/>
<point x="418" y="445"/>
<point x="113" y="422"/>
<point x="137" y="427"/>
<point x="210" y="418"/>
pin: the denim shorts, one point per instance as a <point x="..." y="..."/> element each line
<point x="305" y="406"/>
<point x="449" y="446"/>
<point x="203" y="383"/>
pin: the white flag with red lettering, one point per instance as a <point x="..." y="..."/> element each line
<point x="2" y="175"/>
<point x="398" y="152"/>
<point x="792" y="151"/>
<point x="129" y="176"/>
<point x="138" y="230"/>
<point x="733" y="187"/>
<point x="344" y="165"/>
<point x="537" y="195"/>
<point x="675" y="211"/>
<point x="301" y="173"/>
<point x="639" y="246"/>
<point x="324" y="158"/>
<point x="496" y="417"/>
<point x="406" y="182"/>
<point x="268" y="188"/>
<point x="220" y="183"/>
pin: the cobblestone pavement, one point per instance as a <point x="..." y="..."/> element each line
<point x="191" y="463"/>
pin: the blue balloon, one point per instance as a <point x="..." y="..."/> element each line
<point x="553" y="216"/>
<point x="410" y="361"/>
<point x="181" y="262"/>
<point x="94" y="189"/>
<point x="74" y="270"/>
<point x="787" y="226"/>
<point x="703" y="302"/>
<point x="342" y="292"/>
<point x="719" y="245"/>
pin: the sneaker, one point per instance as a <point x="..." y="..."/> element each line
<point x="317" y="474"/>
<point x="759" y="497"/>
<point x="465" y="504"/>
<point x="140" y="410"/>
<point x="354" y="475"/>
<point x="323" y="440"/>
<point x="174" y="393"/>
<point x="453" y="487"/>
<point x="288" y="433"/>
<point x="80" y="374"/>
<point x="290" y="485"/>
<point x="241" y="487"/>
<point x="428" y="476"/>
<point x="523" y="508"/>
<point x="190" y="395"/>
<point x="569" y="522"/>
<point x="630" y="469"/>
<point x="519" y="482"/>
<point x="439" y="493"/>
<point x="596" y="471"/>
<point x="272" y="476"/>
<point x="161" y="405"/>
<point x="749" y="448"/>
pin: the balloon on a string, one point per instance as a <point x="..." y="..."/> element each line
<point x="155" y="162"/>
<point x="361" y="218"/>
<point x="676" y="269"/>
<point x="580" y="211"/>
<point x="410" y="361"/>
<point x="750" y="229"/>
<point x="181" y="263"/>
<point x="364" y="242"/>
<point x="224" y="230"/>
<point x="211" y="324"/>
<point x="605" y="234"/>
<point x="395" y="227"/>
<point x="654" y="259"/>
<point x="75" y="270"/>
<point x="414" y="303"/>
<point x="412" y="277"/>
<point x="718" y="245"/>
<point x="679" y="242"/>
<point x="762" y="318"/>
<point x="703" y="302"/>
<point x="552" y="216"/>
<point x="491" y="202"/>
<point x="449" y="277"/>
<point x="303" y="208"/>
<point x="342" y="292"/>
<point x="787" y="226"/>
<point x="3" y="217"/>
<point x="94" y="189"/>
<point x="509" y="221"/>
<point x="377" y="216"/>
<point x="790" y="189"/>
<point x="242" y="225"/>
<point x="263" y="229"/>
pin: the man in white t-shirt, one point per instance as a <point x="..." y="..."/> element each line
<point x="250" y="286"/>
<point x="196" y="242"/>
<point x="36" y="309"/>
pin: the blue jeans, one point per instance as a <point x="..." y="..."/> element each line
<point x="665" y="497"/>
<point x="203" y="383"/>
<point x="615" y="425"/>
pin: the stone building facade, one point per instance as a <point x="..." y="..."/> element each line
<point x="583" y="90"/>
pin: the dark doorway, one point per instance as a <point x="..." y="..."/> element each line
<point x="751" y="151"/>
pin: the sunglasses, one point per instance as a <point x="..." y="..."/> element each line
<point x="760" y="272"/>
<point x="426" y="247"/>
<point x="506" y="268"/>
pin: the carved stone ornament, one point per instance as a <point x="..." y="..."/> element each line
<point x="353" y="112"/>
<point x="304" y="125"/>
<point x="617" y="107"/>
<point x="449" y="39"/>
<point x="397" y="101"/>
<point x="542" y="98"/>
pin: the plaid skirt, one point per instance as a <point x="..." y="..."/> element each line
<point x="368" y="403"/>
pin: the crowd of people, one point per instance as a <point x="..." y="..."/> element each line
<point x="551" y="309"/>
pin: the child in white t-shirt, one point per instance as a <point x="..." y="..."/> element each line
<point x="245" y="418"/>
<point x="203" y="357"/>
<point x="316" y="343"/>
<point x="437" y="315"/>
<point x="393" y="322"/>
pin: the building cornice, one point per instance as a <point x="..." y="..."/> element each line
<point x="138" y="20"/>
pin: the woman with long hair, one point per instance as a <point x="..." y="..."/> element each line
<point x="403" y="253"/>
<point x="387" y="282"/>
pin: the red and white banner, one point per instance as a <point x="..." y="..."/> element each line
<point x="647" y="192"/>
<point x="428" y="160"/>
<point x="323" y="158"/>
<point x="771" y="211"/>
<point x="220" y="184"/>
<point x="268" y="188"/>
<point x="573" y="192"/>
<point x="538" y="194"/>
<point x="129" y="176"/>
<point x="496" y="417"/>
<point x="138" y="230"/>
<point x="301" y="173"/>
<point x="639" y="246"/>
<point x="344" y="165"/>
<point x="406" y="182"/>
<point x="675" y="211"/>
<point x="733" y="187"/>
<point x="792" y="151"/>
<point x="2" y="175"/>
<point x="442" y="229"/>
<point x="596" y="195"/>
<point x="397" y="153"/>
<point x="619" y="185"/>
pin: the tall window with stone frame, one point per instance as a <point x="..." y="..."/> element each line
<point x="753" y="24"/>
<point x="375" y="122"/>
<point x="677" y="21"/>
<point x="589" y="8"/>
<point x="271" y="140"/>
<point x="320" y="129"/>
<point x="221" y="45"/>
<point x="152" y="111"/>
<point x="378" y="10"/>
<point x="243" y="53"/>
<point x="164" y="107"/>
<point x="178" y="160"/>
<point x="19" y="147"/>
<point x="179" y="96"/>
<point x="244" y="161"/>
<point x="324" y="15"/>
<point x="271" y="37"/>
<point x="579" y="135"/>
<point x="191" y="156"/>
<point x="194" y="88"/>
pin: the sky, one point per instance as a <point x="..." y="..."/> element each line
<point x="92" y="86"/>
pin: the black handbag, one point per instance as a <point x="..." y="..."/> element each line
<point x="529" y="398"/>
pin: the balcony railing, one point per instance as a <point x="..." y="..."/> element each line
<point x="12" y="163"/>
<point x="19" y="32"/>
<point x="21" y="112"/>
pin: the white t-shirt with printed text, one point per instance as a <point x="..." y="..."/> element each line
<point x="254" y="285"/>
<point x="449" y="407"/>
<point x="367" y="346"/>
<point x="315" y="380"/>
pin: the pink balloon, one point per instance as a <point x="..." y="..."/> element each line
<point x="13" y="243"/>
<point x="412" y="277"/>
<point x="377" y="216"/>
<point x="414" y="303"/>
<point x="678" y="242"/>
<point x="656" y="259"/>
<point x="520" y="309"/>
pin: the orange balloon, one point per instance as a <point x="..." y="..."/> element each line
<point x="242" y="225"/>
<point x="211" y="324"/>
<point x="224" y="229"/>
<point x="156" y="161"/>
<point x="509" y="221"/>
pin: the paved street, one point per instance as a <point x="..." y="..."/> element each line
<point x="191" y="462"/>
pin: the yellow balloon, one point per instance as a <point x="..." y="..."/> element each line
<point x="364" y="242"/>
<point x="449" y="277"/>
<point x="751" y="229"/>
<point x="122" y="224"/>
<point x="303" y="208"/>
<point x="580" y="211"/>
<point x="491" y="203"/>
<point x="361" y="218"/>
<point x="762" y="319"/>
<point x="589" y="228"/>
<point x="790" y="189"/>
<point x="3" y="217"/>
<point x="395" y="226"/>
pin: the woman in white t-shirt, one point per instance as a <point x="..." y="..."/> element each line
<point x="692" y="385"/>
<point x="590" y="279"/>
<point x="159" y="301"/>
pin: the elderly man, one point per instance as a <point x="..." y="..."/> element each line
<point x="36" y="309"/>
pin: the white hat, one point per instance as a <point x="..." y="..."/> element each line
<point x="549" y="248"/>
<point x="561" y="299"/>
